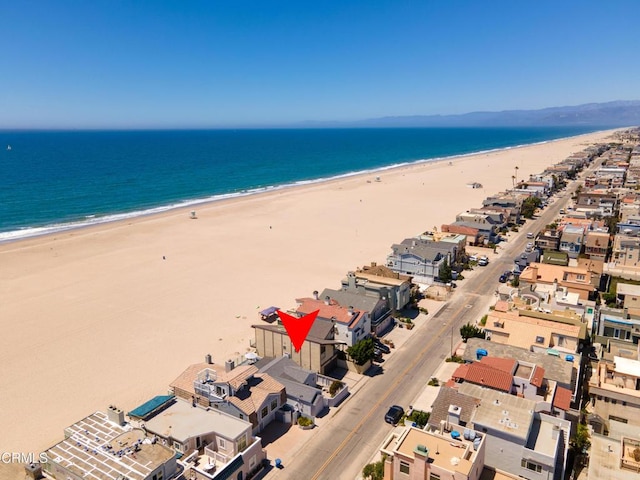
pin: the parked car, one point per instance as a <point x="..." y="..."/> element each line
<point x="394" y="414"/>
<point x="483" y="261"/>
<point x="382" y="347"/>
<point x="530" y="235"/>
<point x="503" y="278"/>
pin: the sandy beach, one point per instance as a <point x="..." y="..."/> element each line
<point x="111" y="314"/>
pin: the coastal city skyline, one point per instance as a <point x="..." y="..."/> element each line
<point x="207" y="65"/>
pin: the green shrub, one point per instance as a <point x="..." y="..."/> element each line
<point x="433" y="382"/>
<point x="305" y="421"/>
<point x="335" y="387"/>
<point x="483" y="320"/>
<point x="419" y="417"/>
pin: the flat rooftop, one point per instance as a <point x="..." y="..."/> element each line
<point x="182" y="421"/>
<point x="97" y="449"/>
<point x="501" y="411"/>
<point x="541" y="438"/>
<point x="446" y="453"/>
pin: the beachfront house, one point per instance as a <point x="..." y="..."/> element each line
<point x="351" y="324"/>
<point x="318" y="353"/>
<point x="421" y="260"/>
<point x="307" y="391"/>
<point x="240" y="391"/>
<point x="214" y="444"/>
<point x="102" y="445"/>
<point x="379" y="281"/>
<point x="356" y="297"/>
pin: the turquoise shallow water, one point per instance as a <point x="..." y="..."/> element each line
<point x="56" y="180"/>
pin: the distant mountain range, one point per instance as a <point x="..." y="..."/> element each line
<point x="609" y="114"/>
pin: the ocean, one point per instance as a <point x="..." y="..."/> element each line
<point x="56" y="180"/>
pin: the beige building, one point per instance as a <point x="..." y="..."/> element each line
<point x="575" y="279"/>
<point x="414" y="454"/>
<point x="536" y="330"/>
<point x="318" y="353"/>
<point x="614" y="388"/>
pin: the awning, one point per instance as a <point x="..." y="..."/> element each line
<point x="269" y="311"/>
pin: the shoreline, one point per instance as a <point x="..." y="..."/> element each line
<point x="112" y="313"/>
<point x="25" y="233"/>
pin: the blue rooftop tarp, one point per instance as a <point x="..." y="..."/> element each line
<point x="147" y="408"/>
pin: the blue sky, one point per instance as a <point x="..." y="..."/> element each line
<point x="122" y="64"/>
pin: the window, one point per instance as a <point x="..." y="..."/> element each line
<point x="222" y="443"/>
<point x="531" y="465"/>
<point x="404" y="467"/>
<point x="178" y="446"/>
<point x="265" y="411"/>
<point x="241" y="416"/>
<point x="580" y="276"/>
<point x="618" y="419"/>
<point x="274" y="405"/>
<point x="242" y="443"/>
<point x="323" y="349"/>
<point x="560" y="341"/>
<point x="252" y="462"/>
<point x="539" y="339"/>
<point x="434" y="476"/>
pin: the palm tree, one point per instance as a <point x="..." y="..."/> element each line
<point x="513" y="180"/>
<point x="516" y="175"/>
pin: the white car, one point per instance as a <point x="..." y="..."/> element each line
<point x="530" y="235"/>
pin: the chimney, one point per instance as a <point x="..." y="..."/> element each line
<point x="315" y="294"/>
<point x="351" y="277"/>
<point x="350" y="310"/>
<point x="453" y="417"/>
<point x="207" y="359"/>
<point x="555" y="285"/>
<point x="374" y="264"/>
<point x="327" y="300"/>
<point x="229" y="365"/>
<point x="115" y="415"/>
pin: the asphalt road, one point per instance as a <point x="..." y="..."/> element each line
<point x="348" y="440"/>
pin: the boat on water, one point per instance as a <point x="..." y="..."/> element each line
<point x="8" y="147"/>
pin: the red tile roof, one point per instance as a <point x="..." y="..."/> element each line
<point x="460" y="229"/>
<point x="489" y="377"/>
<point x="504" y="364"/>
<point x="537" y="376"/>
<point x="333" y="310"/>
<point x="461" y="371"/>
<point x="562" y="398"/>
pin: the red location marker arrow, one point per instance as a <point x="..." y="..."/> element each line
<point x="297" y="328"/>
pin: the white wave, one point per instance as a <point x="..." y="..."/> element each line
<point x="95" y="219"/>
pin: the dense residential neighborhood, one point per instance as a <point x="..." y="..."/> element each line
<point x="541" y="381"/>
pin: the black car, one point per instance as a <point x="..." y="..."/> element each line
<point x="394" y="414"/>
<point x="503" y="278"/>
<point x="382" y="347"/>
